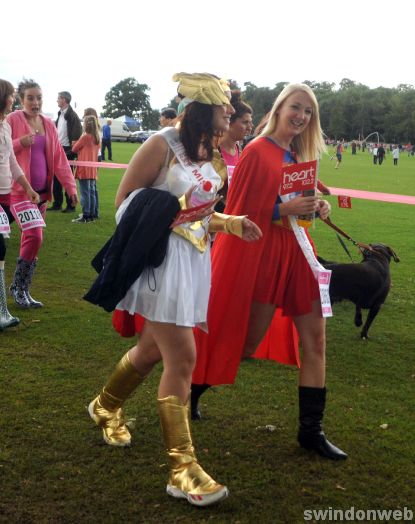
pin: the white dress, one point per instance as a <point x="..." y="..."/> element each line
<point x="176" y="292"/>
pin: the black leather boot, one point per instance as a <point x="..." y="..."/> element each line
<point x="196" y="392"/>
<point x="311" y="436"/>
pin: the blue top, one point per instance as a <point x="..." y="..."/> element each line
<point x="106" y="132"/>
<point x="288" y="159"/>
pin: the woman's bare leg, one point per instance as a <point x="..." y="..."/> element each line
<point x="312" y="331"/>
<point x="260" y="318"/>
<point x="145" y="354"/>
<point x="178" y="351"/>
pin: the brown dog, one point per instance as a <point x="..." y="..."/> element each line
<point x="365" y="284"/>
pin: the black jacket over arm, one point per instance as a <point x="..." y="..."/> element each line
<point x="140" y="240"/>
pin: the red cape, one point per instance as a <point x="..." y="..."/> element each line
<point x="235" y="264"/>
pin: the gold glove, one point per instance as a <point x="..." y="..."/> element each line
<point x="182" y="202"/>
<point x="220" y="223"/>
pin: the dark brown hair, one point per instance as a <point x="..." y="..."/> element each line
<point x="196" y="129"/>
<point x="6" y="89"/>
<point x="24" y="85"/>
<point x="241" y="108"/>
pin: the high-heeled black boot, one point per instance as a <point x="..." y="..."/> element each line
<point x="311" y="436"/>
<point x="196" y="391"/>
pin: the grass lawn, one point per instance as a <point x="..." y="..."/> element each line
<point x="55" y="467"/>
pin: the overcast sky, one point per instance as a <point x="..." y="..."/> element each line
<point x="86" y="47"/>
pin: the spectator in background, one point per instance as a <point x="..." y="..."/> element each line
<point x="87" y="147"/>
<point x="90" y="111"/>
<point x="381" y="154"/>
<point x="69" y="130"/>
<point x="168" y="117"/>
<point x="395" y="155"/>
<point x="339" y="152"/>
<point x="106" y="140"/>
<point x="375" y="154"/>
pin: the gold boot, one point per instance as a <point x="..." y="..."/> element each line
<point x="187" y="479"/>
<point x="105" y="410"/>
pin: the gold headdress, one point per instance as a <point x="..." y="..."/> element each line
<point x="225" y="86"/>
<point x="202" y="87"/>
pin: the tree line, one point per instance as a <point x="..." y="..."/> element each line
<point x="351" y="112"/>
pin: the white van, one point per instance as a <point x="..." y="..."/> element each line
<point x="119" y="131"/>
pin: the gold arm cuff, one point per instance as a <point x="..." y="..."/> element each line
<point x="220" y="223"/>
<point x="182" y="202"/>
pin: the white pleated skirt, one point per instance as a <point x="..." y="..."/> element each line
<point x="176" y="292"/>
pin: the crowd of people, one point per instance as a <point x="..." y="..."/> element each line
<point x="175" y="287"/>
<point x="377" y="150"/>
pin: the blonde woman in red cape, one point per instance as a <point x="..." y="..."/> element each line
<point x="281" y="342"/>
<point x="167" y="301"/>
<point x="251" y="282"/>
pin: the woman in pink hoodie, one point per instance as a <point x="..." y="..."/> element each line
<point x="40" y="155"/>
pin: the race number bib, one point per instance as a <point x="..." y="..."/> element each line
<point x="28" y="215"/>
<point x="4" y="223"/>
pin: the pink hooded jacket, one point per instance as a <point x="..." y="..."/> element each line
<point x="56" y="160"/>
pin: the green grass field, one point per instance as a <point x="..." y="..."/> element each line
<point x="55" y="467"/>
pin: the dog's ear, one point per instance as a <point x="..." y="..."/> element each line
<point x="393" y="254"/>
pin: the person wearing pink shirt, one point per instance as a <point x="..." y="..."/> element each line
<point x="40" y="156"/>
<point x="87" y="148"/>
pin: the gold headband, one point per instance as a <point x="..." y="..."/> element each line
<point x="202" y="87"/>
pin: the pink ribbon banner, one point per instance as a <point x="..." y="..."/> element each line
<point x="355" y="193"/>
<point x="371" y="195"/>
<point x="106" y="165"/>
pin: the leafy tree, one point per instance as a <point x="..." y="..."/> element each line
<point x="128" y="97"/>
<point x="352" y="111"/>
<point x="346" y="83"/>
<point x="261" y="98"/>
<point x="150" y="119"/>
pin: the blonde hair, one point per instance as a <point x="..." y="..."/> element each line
<point x="91" y="127"/>
<point x="308" y="145"/>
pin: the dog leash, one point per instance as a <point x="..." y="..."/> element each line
<point x="343" y="245"/>
<point x="360" y="245"/>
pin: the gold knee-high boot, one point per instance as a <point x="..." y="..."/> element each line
<point x="106" y="410"/>
<point x="187" y="479"/>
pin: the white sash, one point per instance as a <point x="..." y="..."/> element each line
<point x="321" y="274"/>
<point x="171" y="136"/>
